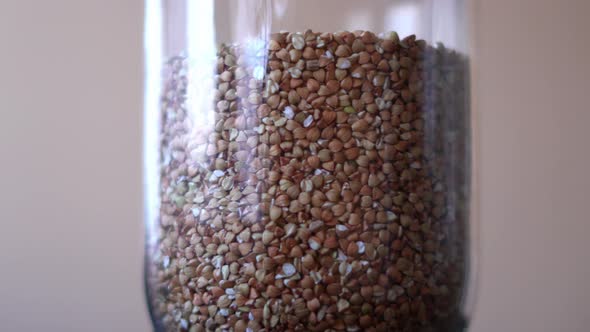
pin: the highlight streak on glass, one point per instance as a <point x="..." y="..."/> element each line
<point x="151" y="124"/>
<point x="404" y="17"/>
<point x="201" y="56"/>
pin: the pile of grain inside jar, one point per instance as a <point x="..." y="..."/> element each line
<point x="310" y="202"/>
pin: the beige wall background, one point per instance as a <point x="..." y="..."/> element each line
<point x="70" y="175"/>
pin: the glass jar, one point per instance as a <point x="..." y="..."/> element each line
<point x="307" y="165"/>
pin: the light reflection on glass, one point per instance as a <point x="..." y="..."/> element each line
<point x="201" y="61"/>
<point x="153" y="68"/>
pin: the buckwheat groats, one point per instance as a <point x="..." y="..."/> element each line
<point x="317" y="198"/>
